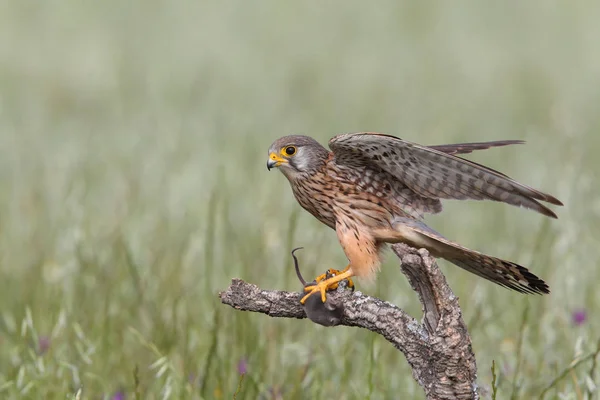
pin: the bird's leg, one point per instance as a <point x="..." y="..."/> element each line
<point x="326" y="284"/>
<point x="333" y="272"/>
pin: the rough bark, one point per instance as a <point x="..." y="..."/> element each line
<point x="438" y="349"/>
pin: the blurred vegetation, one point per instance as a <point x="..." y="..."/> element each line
<point x="133" y="187"/>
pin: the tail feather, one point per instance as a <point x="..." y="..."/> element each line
<point x="504" y="273"/>
<point x="501" y="272"/>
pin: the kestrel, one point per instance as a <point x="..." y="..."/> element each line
<point x="375" y="189"/>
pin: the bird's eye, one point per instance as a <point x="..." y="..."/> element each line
<point x="289" y="150"/>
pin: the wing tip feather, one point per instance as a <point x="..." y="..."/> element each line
<point x="553" y="200"/>
<point x="541" y="208"/>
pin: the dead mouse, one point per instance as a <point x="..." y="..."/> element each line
<point x="326" y="314"/>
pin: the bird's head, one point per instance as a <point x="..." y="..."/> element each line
<point x="296" y="154"/>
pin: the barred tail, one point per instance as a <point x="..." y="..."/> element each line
<point x="504" y="273"/>
<point x="501" y="272"/>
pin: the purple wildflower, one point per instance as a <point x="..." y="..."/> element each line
<point x="242" y="366"/>
<point x="579" y="317"/>
<point x="43" y="344"/>
<point x="119" y="396"/>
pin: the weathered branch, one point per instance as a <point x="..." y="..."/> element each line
<point x="438" y="350"/>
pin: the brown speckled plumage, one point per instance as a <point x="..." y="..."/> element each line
<point x="375" y="189"/>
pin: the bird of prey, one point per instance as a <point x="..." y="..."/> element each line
<point x="375" y="189"/>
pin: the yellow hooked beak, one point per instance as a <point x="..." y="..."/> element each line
<point x="275" y="161"/>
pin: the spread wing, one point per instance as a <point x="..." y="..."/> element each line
<point x="435" y="174"/>
<point x="465" y="148"/>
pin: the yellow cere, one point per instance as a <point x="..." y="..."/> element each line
<point x="277" y="158"/>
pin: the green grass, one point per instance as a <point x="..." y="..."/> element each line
<point x="133" y="187"/>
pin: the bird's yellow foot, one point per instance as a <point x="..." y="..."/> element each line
<point x="325" y="284"/>
<point x="330" y="273"/>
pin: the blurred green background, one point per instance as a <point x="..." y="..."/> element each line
<point x="133" y="187"/>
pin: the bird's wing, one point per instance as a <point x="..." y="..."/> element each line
<point x="465" y="148"/>
<point x="434" y="174"/>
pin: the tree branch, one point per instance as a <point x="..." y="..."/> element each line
<point x="438" y="349"/>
